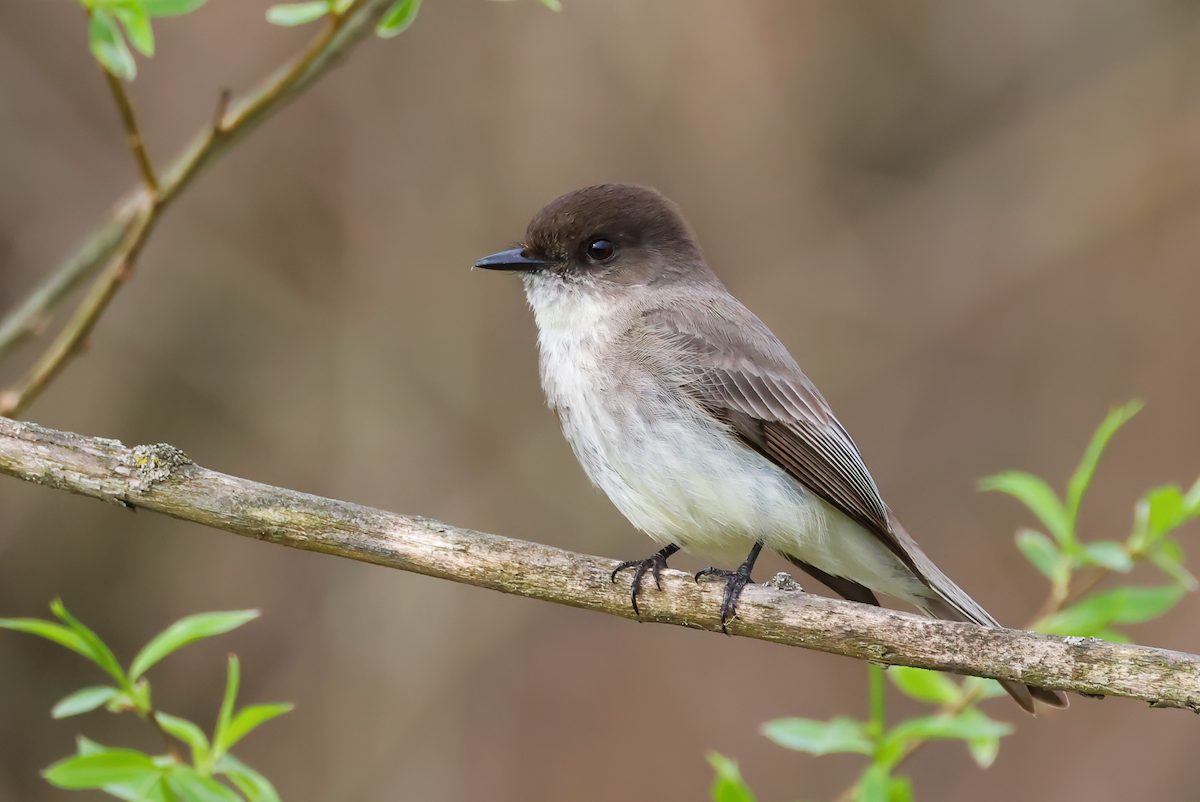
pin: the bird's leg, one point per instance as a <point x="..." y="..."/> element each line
<point x="735" y="581"/>
<point x="653" y="564"/>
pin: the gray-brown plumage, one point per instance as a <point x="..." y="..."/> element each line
<point x="696" y="421"/>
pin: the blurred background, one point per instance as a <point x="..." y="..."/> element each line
<point x="974" y="222"/>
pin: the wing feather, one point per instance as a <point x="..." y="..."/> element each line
<point x="772" y="406"/>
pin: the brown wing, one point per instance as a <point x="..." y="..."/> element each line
<point x="772" y="406"/>
<point x="789" y="424"/>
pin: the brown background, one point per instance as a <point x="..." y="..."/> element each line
<point x="973" y="221"/>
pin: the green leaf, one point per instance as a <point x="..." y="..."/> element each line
<point x="1086" y="618"/>
<point x="1038" y="496"/>
<point x="103" y="768"/>
<point x="841" y="734"/>
<point x="553" y="5"/>
<point x="876" y="784"/>
<point x="290" y="14"/>
<point x="728" y="785"/>
<point x="246" y="720"/>
<point x="75" y="636"/>
<point x="86" y="746"/>
<point x="1108" y="554"/>
<point x="233" y="678"/>
<point x="137" y="27"/>
<point x="83" y="701"/>
<point x="98" y="650"/>
<point x="1126" y="605"/>
<point x="50" y="631"/>
<point x="1170" y="509"/>
<point x="1167" y="509"/>
<point x="1143" y="604"/>
<point x="398" y="18"/>
<point x="191" y="786"/>
<point x="969" y="724"/>
<point x="187" y="732"/>
<point x="108" y="46"/>
<point x="900" y="790"/>
<point x="1043" y="553"/>
<point x="928" y="686"/>
<point x="983" y="750"/>
<point x="1168" y="556"/>
<point x="1192" y="499"/>
<point x="254" y="786"/>
<point x="170" y="8"/>
<point x="1113" y="636"/>
<point x="185" y="631"/>
<point x="1142" y="536"/>
<point x="148" y="789"/>
<point x="1087" y="466"/>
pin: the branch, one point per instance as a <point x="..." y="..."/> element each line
<point x="72" y="339"/>
<point x="133" y="135"/>
<point x="161" y="478"/>
<point x="139" y="209"/>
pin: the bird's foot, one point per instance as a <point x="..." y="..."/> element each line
<point x="735" y="582"/>
<point x="654" y="565"/>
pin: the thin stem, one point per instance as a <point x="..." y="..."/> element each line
<point x="1097" y="575"/>
<point x="1062" y="596"/>
<point x="73" y="338"/>
<point x="117" y="243"/>
<point x="132" y="133"/>
<point x="913" y="744"/>
<point x="1054" y="600"/>
<point x="946" y="711"/>
<point x="235" y="116"/>
<point x="878" y="723"/>
<point x="30" y="318"/>
<point x="168" y="740"/>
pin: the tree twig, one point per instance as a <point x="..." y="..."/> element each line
<point x="163" y="479"/>
<point x="236" y="118"/>
<point x="133" y="134"/>
<point x="168" y="740"/>
<point x="73" y="338"/>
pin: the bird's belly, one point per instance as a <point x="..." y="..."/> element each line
<point x="680" y="477"/>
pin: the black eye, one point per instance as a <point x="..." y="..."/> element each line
<point x="601" y="249"/>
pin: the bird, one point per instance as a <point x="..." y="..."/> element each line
<point x="695" y="420"/>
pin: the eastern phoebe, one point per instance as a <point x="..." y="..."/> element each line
<point x="696" y="421"/>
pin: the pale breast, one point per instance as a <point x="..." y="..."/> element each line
<point x="675" y="472"/>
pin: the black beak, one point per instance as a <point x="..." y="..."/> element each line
<point x="514" y="259"/>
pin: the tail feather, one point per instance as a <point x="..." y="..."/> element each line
<point x="942" y="607"/>
<point x="949" y="602"/>
<point x="1022" y="694"/>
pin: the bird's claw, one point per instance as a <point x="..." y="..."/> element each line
<point x="654" y="565"/>
<point x="735" y="582"/>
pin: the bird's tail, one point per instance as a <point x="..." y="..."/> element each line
<point x="949" y="602"/>
<point x="1021" y="693"/>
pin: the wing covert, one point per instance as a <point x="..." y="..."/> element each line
<point x="776" y="410"/>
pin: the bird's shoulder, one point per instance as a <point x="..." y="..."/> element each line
<point x="733" y="358"/>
